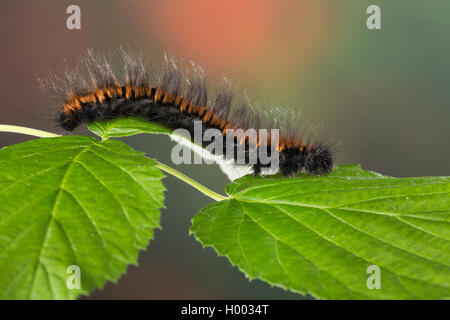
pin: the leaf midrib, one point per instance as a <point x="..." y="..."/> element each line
<point x="334" y="244"/>
<point x="326" y="209"/>
<point x="326" y="191"/>
<point x="61" y="187"/>
<point x="343" y="248"/>
<point x="294" y="249"/>
<point x="303" y="205"/>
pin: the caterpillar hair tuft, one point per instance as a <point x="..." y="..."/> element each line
<point x="92" y="92"/>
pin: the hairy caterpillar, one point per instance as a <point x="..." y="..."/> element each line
<point x="177" y="101"/>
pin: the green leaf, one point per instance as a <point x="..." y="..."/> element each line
<point x="123" y="127"/>
<point x="73" y="201"/>
<point x="319" y="235"/>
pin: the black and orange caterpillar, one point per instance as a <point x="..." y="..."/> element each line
<point x="176" y="102"/>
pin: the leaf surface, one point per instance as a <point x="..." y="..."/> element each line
<point x="124" y="127"/>
<point x="319" y="235"/>
<point x="73" y="201"/>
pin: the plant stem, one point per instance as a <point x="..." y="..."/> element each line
<point x="28" y="131"/>
<point x="191" y="182"/>
<point x="163" y="167"/>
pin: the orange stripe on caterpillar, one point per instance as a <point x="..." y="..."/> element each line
<point x="100" y="95"/>
<point x="148" y="90"/>
<point x="223" y="123"/>
<point x="137" y="93"/>
<point x="88" y="98"/>
<point x="207" y="115"/>
<point x="128" y="91"/>
<point x="201" y="111"/>
<point x="214" y="120"/>
<point x="158" y="94"/>
<point x="68" y="109"/>
<point x="177" y="101"/>
<point x="111" y="92"/>
<point x="73" y="105"/>
<point x="184" y="104"/>
<point x="119" y="90"/>
<point x="108" y="100"/>
<point x="140" y="92"/>
<point x="191" y="108"/>
<point x="227" y="126"/>
<point x="168" y="98"/>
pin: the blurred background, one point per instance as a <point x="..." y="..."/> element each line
<point x="383" y="95"/>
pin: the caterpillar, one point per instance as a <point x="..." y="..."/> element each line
<point x="177" y="101"/>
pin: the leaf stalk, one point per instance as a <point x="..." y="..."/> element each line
<point x="28" y="131"/>
<point x="44" y="134"/>
<point x="213" y="195"/>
